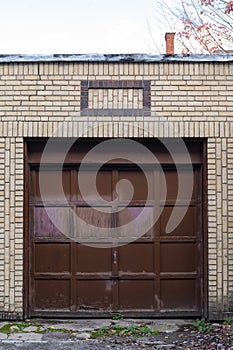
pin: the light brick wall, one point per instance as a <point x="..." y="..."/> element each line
<point x="115" y="98"/>
<point x="188" y="99"/>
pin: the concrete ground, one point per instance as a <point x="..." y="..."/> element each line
<point x="76" y="334"/>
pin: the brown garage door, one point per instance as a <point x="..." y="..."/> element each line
<point x="158" y="274"/>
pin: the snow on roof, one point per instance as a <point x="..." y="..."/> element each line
<point x="116" y="58"/>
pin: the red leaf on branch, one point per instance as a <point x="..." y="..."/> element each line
<point x="229" y="7"/>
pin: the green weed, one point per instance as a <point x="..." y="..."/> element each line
<point x="201" y="326"/>
<point x="229" y="321"/>
<point x="117" y="316"/>
<point x="118" y="330"/>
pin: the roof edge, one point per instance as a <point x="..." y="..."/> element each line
<point x="116" y="58"/>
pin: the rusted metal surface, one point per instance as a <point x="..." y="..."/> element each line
<point x="159" y="274"/>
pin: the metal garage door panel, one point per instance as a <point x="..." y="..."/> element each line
<point x="141" y="219"/>
<point x="102" y="181"/>
<point x="45" y="219"/>
<point x="52" y="294"/>
<point x="52" y="257"/>
<point x="187" y="226"/>
<point x="51" y="178"/>
<point x="94" y="295"/>
<point x="178" y="257"/>
<point x="96" y="216"/>
<point x="136" y="295"/>
<point x="86" y="223"/>
<point x="159" y="272"/>
<point x="170" y="187"/>
<point x="136" y="258"/>
<point x="93" y="260"/>
<point x="178" y="294"/>
<point x="139" y="184"/>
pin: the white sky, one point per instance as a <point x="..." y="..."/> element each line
<point x="79" y="26"/>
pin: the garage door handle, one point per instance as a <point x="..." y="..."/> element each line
<point x="115" y="257"/>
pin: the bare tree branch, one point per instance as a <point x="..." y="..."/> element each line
<point x="202" y="26"/>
